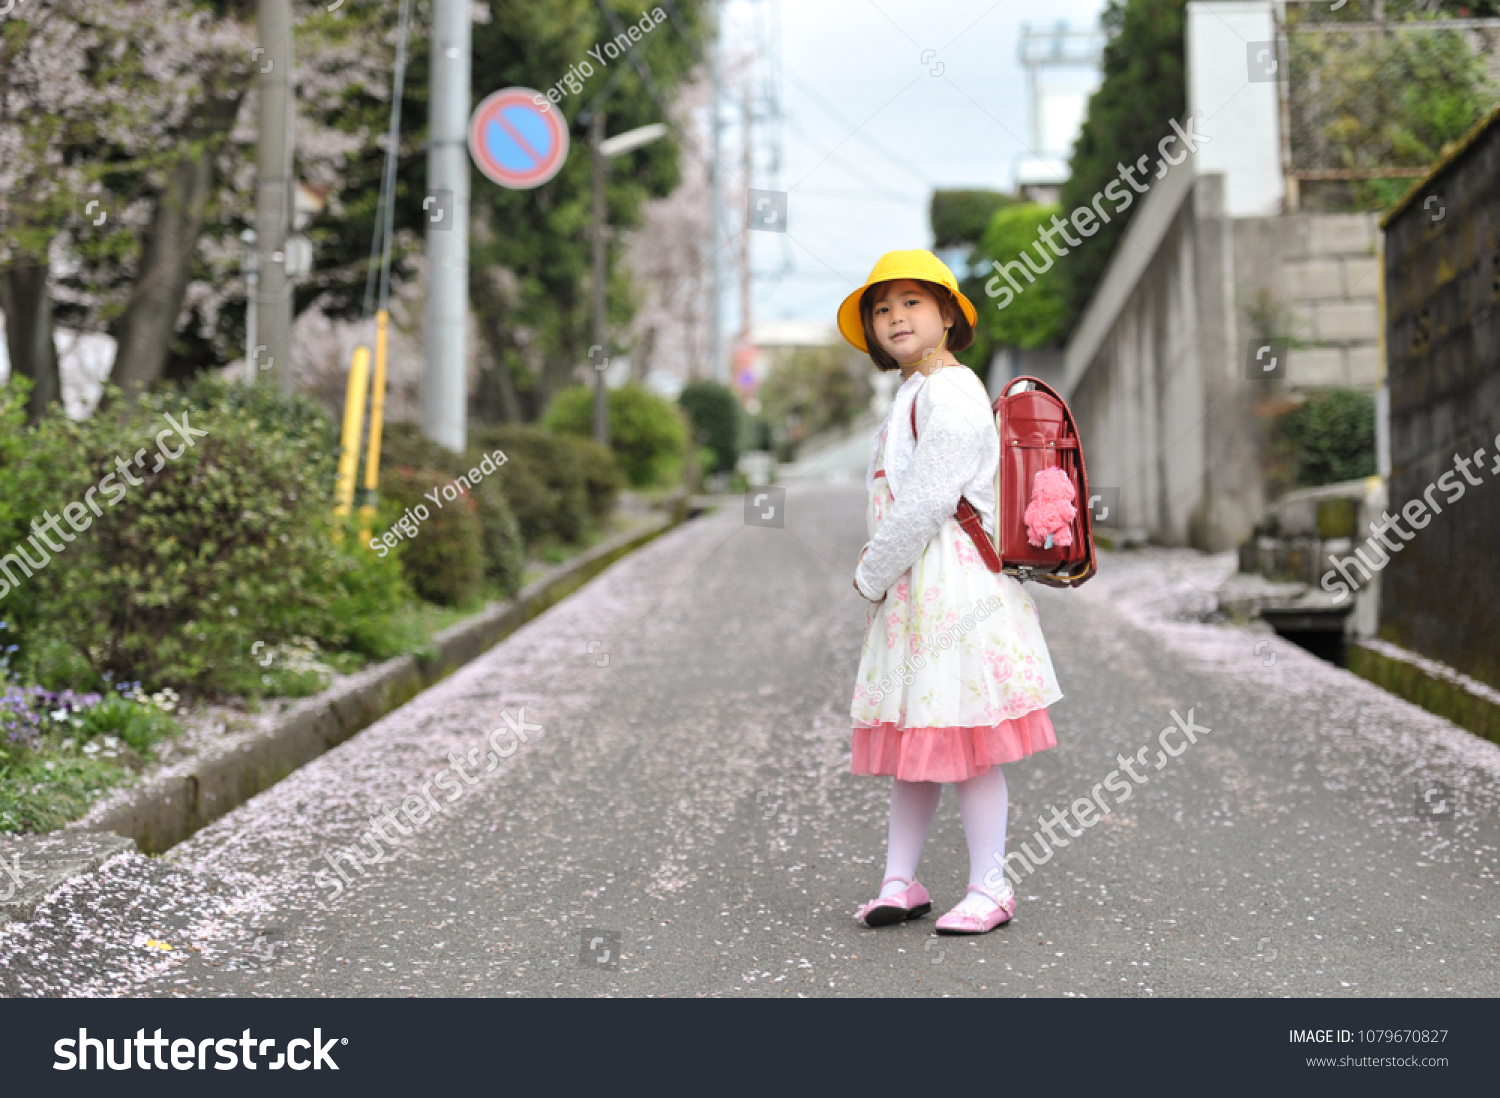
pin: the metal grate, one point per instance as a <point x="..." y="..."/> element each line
<point x="1374" y="91"/>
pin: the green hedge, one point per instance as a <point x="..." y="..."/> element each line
<point x="559" y="485"/>
<point x="715" y="413"/>
<point x="602" y="478"/>
<point x="403" y="444"/>
<point x="649" y="435"/>
<point x="440" y="542"/>
<point x="1035" y="316"/>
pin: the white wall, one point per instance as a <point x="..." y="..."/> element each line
<point x="84" y="360"/>
<point x="1240" y="117"/>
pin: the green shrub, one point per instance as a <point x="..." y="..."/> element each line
<point x="403" y="444"/>
<point x="23" y="487"/>
<point x="959" y="217"/>
<point x="1328" y="438"/>
<point x="601" y="475"/>
<point x="503" y="549"/>
<point x="556" y="464"/>
<point x="366" y="593"/>
<point x="444" y="562"/>
<point x="535" y="506"/>
<point x="1034" y="317"/>
<point x="181" y="572"/>
<point x="715" y="413"/>
<point x="558" y="484"/>
<point x="203" y="554"/>
<point x="291" y="415"/>
<point x="365" y="604"/>
<point x="649" y="435"/>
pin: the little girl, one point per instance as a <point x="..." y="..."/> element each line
<point x="955" y="676"/>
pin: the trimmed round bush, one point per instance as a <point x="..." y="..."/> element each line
<point x="444" y="561"/>
<point x="197" y="528"/>
<point x="403" y="444"/>
<point x="535" y="506"/>
<point x="504" y="550"/>
<point x="602" y="478"/>
<point x="648" y="435"/>
<point x="715" y="412"/>
<point x="549" y="482"/>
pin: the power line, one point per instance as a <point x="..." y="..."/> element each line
<point x="849" y="167"/>
<point x="838" y="117"/>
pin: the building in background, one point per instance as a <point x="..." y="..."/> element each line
<point x="1062" y="70"/>
<point x="1223" y="273"/>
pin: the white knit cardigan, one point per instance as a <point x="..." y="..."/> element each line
<point x="955" y="454"/>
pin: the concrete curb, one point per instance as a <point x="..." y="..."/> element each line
<point x="34" y="866"/>
<point x="1434" y="686"/>
<point x="169" y="808"/>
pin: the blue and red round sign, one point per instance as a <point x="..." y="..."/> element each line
<point x="514" y="141"/>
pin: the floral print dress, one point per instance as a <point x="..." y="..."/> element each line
<point x="955" y="675"/>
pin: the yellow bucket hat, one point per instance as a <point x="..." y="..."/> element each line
<point x="918" y="263"/>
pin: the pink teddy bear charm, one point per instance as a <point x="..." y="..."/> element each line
<point x="1050" y="513"/>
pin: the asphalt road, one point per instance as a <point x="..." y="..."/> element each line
<point x="686" y="824"/>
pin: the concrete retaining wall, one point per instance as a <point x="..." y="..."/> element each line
<point x="1153" y="379"/>
<point x="1441" y="593"/>
<point x="1156" y="370"/>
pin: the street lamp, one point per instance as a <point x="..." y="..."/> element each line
<point x="602" y="150"/>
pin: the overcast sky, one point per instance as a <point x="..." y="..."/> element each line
<point x="868" y="132"/>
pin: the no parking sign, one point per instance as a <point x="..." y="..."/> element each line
<point x="516" y="143"/>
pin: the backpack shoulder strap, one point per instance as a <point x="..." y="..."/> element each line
<point x="968" y="515"/>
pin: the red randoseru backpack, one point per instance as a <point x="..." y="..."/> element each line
<point x="1037" y="432"/>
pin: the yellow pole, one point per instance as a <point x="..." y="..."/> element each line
<point x="377" y="420"/>
<point x="354" y="417"/>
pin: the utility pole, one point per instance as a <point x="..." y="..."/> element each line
<point x="716" y="66"/>
<point x="747" y="169"/>
<point x="602" y="150"/>
<point x="273" y="191"/>
<point x="601" y="396"/>
<point x="444" y="390"/>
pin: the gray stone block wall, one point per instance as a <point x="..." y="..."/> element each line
<point x="1313" y="278"/>
<point x="1441" y="594"/>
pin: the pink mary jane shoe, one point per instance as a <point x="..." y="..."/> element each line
<point x="912" y="902"/>
<point x="965" y="922"/>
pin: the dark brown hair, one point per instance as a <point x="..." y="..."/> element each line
<point x="960" y="335"/>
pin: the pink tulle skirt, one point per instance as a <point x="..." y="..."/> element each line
<point x="948" y="754"/>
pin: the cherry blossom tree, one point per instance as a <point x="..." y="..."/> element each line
<point x="92" y="95"/>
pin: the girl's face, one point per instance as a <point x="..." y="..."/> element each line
<point x="907" y="320"/>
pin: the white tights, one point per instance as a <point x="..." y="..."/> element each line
<point x="983" y="803"/>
